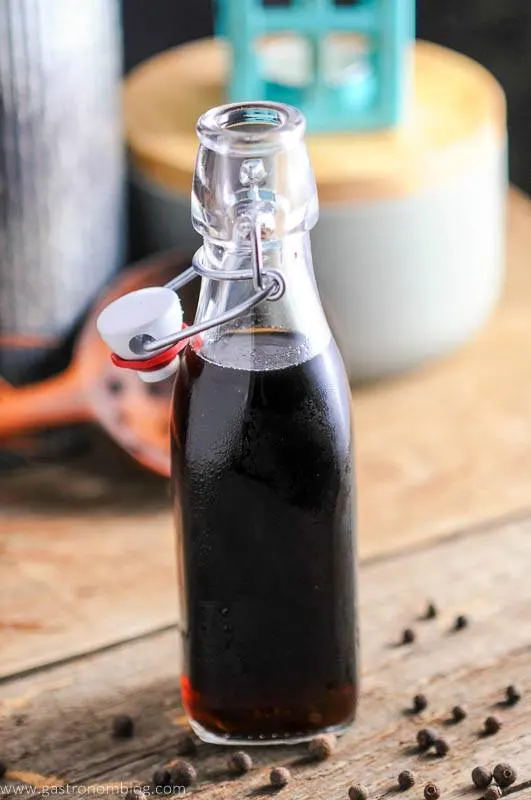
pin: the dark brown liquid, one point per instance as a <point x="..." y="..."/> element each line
<point x="262" y="473"/>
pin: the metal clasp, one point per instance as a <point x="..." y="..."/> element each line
<point x="269" y="283"/>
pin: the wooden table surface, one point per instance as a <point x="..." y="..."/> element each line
<point x="88" y="605"/>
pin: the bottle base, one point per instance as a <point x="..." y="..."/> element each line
<point x="263" y="740"/>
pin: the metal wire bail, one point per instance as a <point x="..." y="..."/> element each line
<point x="269" y="285"/>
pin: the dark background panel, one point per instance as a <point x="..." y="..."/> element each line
<point x="154" y="25"/>
<point x="495" y="32"/>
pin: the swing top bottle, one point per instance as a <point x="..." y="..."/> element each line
<point x="262" y="471"/>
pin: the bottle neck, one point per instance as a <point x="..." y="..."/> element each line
<point x="253" y="173"/>
<point x="297" y="316"/>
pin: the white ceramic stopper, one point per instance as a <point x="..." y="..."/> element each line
<point x="145" y="315"/>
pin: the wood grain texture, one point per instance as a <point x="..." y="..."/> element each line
<point x="87" y="555"/>
<point x="56" y="723"/>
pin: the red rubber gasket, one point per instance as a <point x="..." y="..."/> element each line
<point x="157" y="361"/>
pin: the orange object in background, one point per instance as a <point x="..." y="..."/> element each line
<point x="92" y="388"/>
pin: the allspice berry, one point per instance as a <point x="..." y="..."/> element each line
<point x="458" y="714"/>
<point x="504" y="775"/>
<point x="123" y="726"/>
<point x="240" y="762"/>
<point x="161" y="779"/>
<point x="406" y="780"/>
<point x="442" y="748"/>
<point x="408" y="636"/>
<point x="461" y="622"/>
<point x="183" y="774"/>
<point x="481" y="777"/>
<point x="492" y="725"/>
<point x="420" y="703"/>
<point x="425" y="739"/>
<point x="358" y="792"/>
<point x="431" y="611"/>
<point x="322" y="747"/>
<point x="512" y="695"/>
<point x="432" y="791"/>
<point x="493" y="793"/>
<point x="279" y="776"/>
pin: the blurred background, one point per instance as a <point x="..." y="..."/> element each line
<point x="76" y="208"/>
<point x="497" y="33"/>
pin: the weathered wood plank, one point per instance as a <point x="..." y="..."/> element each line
<point x="67" y="709"/>
<point x="90" y="560"/>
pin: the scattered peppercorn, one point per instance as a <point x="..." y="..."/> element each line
<point x="493" y="793"/>
<point x="279" y="776"/>
<point x="442" y="748"/>
<point x="425" y="739"/>
<point x="460" y="622"/>
<point x="186" y="745"/>
<point x="161" y="778"/>
<point x="358" y="792"/>
<point x="322" y="747"/>
<point x="420" y="703"/>
<point x="432" y="791"/>
<point x="431" y="611"/>
<point x="183" y="774"/>
<point x="513" y="695"/>
<point x="406" y="780"/>
<point x="3" y="769"/>
<point x="408" y="636"/>
<point x="458" y="714"/>
<point x="122" y="726"/>
<point x="504" y="775"/>
<point x="481" y="777"/>
<point x="492" y="726"/>
<point x="240" y="762"/>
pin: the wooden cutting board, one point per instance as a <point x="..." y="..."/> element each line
<point x="87" y="553"/>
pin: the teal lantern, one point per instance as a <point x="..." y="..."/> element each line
<point x="342" y="62"/>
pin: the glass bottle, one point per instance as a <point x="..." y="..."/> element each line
<point x="262" y="471"/>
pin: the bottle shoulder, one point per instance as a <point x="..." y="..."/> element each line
<point x="222" y="388"/>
